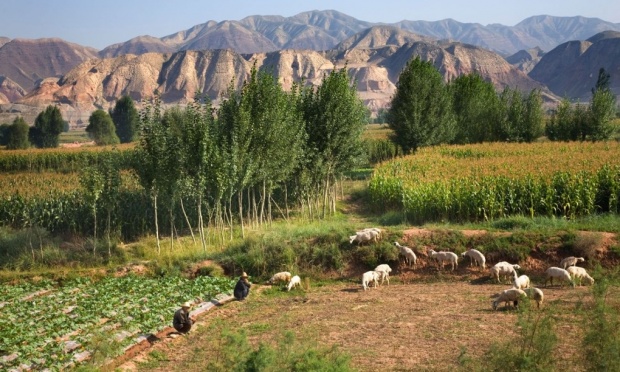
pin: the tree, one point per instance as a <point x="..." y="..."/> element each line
<point x="421" y="110"/>
<point x="560" y="126"/>
<point x="602" y="82"/>
<point x="601" y="114"/>
<point x="475" y="103"/>
<point x="126" y="119"/>
<point x="17" y="136"/>
<point x="4" y="134"/>
<point x="47" y="128"/>
<point x="101" y="129"/>
<point x="334" y="119"/>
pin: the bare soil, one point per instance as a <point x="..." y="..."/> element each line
<point x="407" y="325"/>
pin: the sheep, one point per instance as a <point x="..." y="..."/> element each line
<point x="369" y="277"/>
<point x="363" y="237"/>
<point x="571" y="261"/>
<point x="536" y="295"/>
<point x="503" y="269"/>
<point x="559" y="273"/>
<point x="476" y="258"/>
<point x="443" y="257"/>
<point x="509" y="295"/>
<point x="281" y="277"/>
<point x="384" y="271"/>
<point x="294" y="282"/>
<point x="521" y="282"/>
<point x="580" y="273"/>
<point x="374" y="230"/>
<point x="407" y="252"/>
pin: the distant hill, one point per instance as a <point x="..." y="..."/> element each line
<point x="375" y="58"/>
<point x="571" y="69"/>
<point x="26" y="61"/>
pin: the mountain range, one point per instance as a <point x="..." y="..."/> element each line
<point x="559" y="55"/>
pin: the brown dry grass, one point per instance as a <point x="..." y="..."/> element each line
<point x="417" y="326"/>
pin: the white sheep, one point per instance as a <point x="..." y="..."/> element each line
<point x="363" y="237"/>
<point x="579" y="273"/>
<point x="375" y="231"/>
<point x="443" y="257"/>
<point x="281" y="277"/>
<point x="408" y="253"/>
<point x="369" y="277"/>
<point x="384" y="271"/>
<point x="476" y="258"/>
<point x="535" y="294"/>
<point x="509" y="295"/>
<point x="503" y="269"/>
<point x="520" y="282"/>
<point x="559" y="273"/>
<point x="571" y="261"/>
<point x="294" y="282"/>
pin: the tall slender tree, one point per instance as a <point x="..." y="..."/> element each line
<point x="17" y="135"/>
<point x="421" y="111"/>
<point x="47" y="128"/>
<point x="126" y="119"/>
<point x="101" y="128"/>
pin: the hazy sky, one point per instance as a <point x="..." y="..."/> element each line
<point x="101" y="23"/>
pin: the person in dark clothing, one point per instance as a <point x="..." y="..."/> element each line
<point x="182" y="322"/>
<point x="242" y="288"/>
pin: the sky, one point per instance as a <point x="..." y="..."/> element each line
<point x="101" y="23"/>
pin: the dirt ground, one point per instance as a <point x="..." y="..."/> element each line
<point x="408" y="325"/>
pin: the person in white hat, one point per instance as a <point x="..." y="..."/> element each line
<point x="242" y="288"/>
<point x="182" y="322"/>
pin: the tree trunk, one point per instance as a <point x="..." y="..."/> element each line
<point x="156" y="225"/>
<point x="189" y="225"/>
<point x="171" y="228"/>
<point x="240" y="201"/>
<point x="108" y="233"/>
<point x="95" y="230"/>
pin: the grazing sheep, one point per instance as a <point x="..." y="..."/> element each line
<point x="503" y="269"/>
<point x="443" y="257"/>
<point x="363" y="237"/>
<point x="580" y="273"/>
<point x="281" y="277"/>
<point x="295" y="281"/>
<point x="521" y="282"/>
<point x="571" y="261"/>
<point x="375" y="231"/>
<point x="559" y="273"/>
<point x="509" y="295"/>
<point x="369" y="277"/>
<point x="536" y="295"/>
<point x="384" y="271"/>
<point x="475" y="258"/>
<point x="407" y="252"/>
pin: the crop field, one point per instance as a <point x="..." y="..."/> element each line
<point x="47" y="325"/>
<point x="479" y="182"/>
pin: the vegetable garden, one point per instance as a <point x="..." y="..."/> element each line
<point x="481" y="182"/>
<point x="45" y="325"/>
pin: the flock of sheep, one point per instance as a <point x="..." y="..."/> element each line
<point x="521" y="285"/>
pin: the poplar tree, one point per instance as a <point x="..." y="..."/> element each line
<point x="421" y="111"/>
<point x="126" y="119"/>
<point x="47" y="128"/>
<point x="17" y="135"/>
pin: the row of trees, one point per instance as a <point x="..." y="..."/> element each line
<point x="261" y="151"/>
<point x="427" y="111"/>
<point x="120" y="125"/>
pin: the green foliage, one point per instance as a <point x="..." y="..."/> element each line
<point x="101" y="129"/>
<point x="533" y="349"/>
<point x="378" y="150"/>
<point x="126" y="119"/>
<point x="232" y="351"/>
<point x="421" y="111"/>
<point x="600" y="345"/>
<point x="475" y="104"/>
<point x="521" y="118"/>
<point x="47" y="128"/>
<point x="17" y="135"/>
<point x="4" y="134"/>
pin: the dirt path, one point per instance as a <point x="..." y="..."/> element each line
<point x="417" y="326"/>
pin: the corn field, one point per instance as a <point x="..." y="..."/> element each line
<point x="488" y="181"/>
